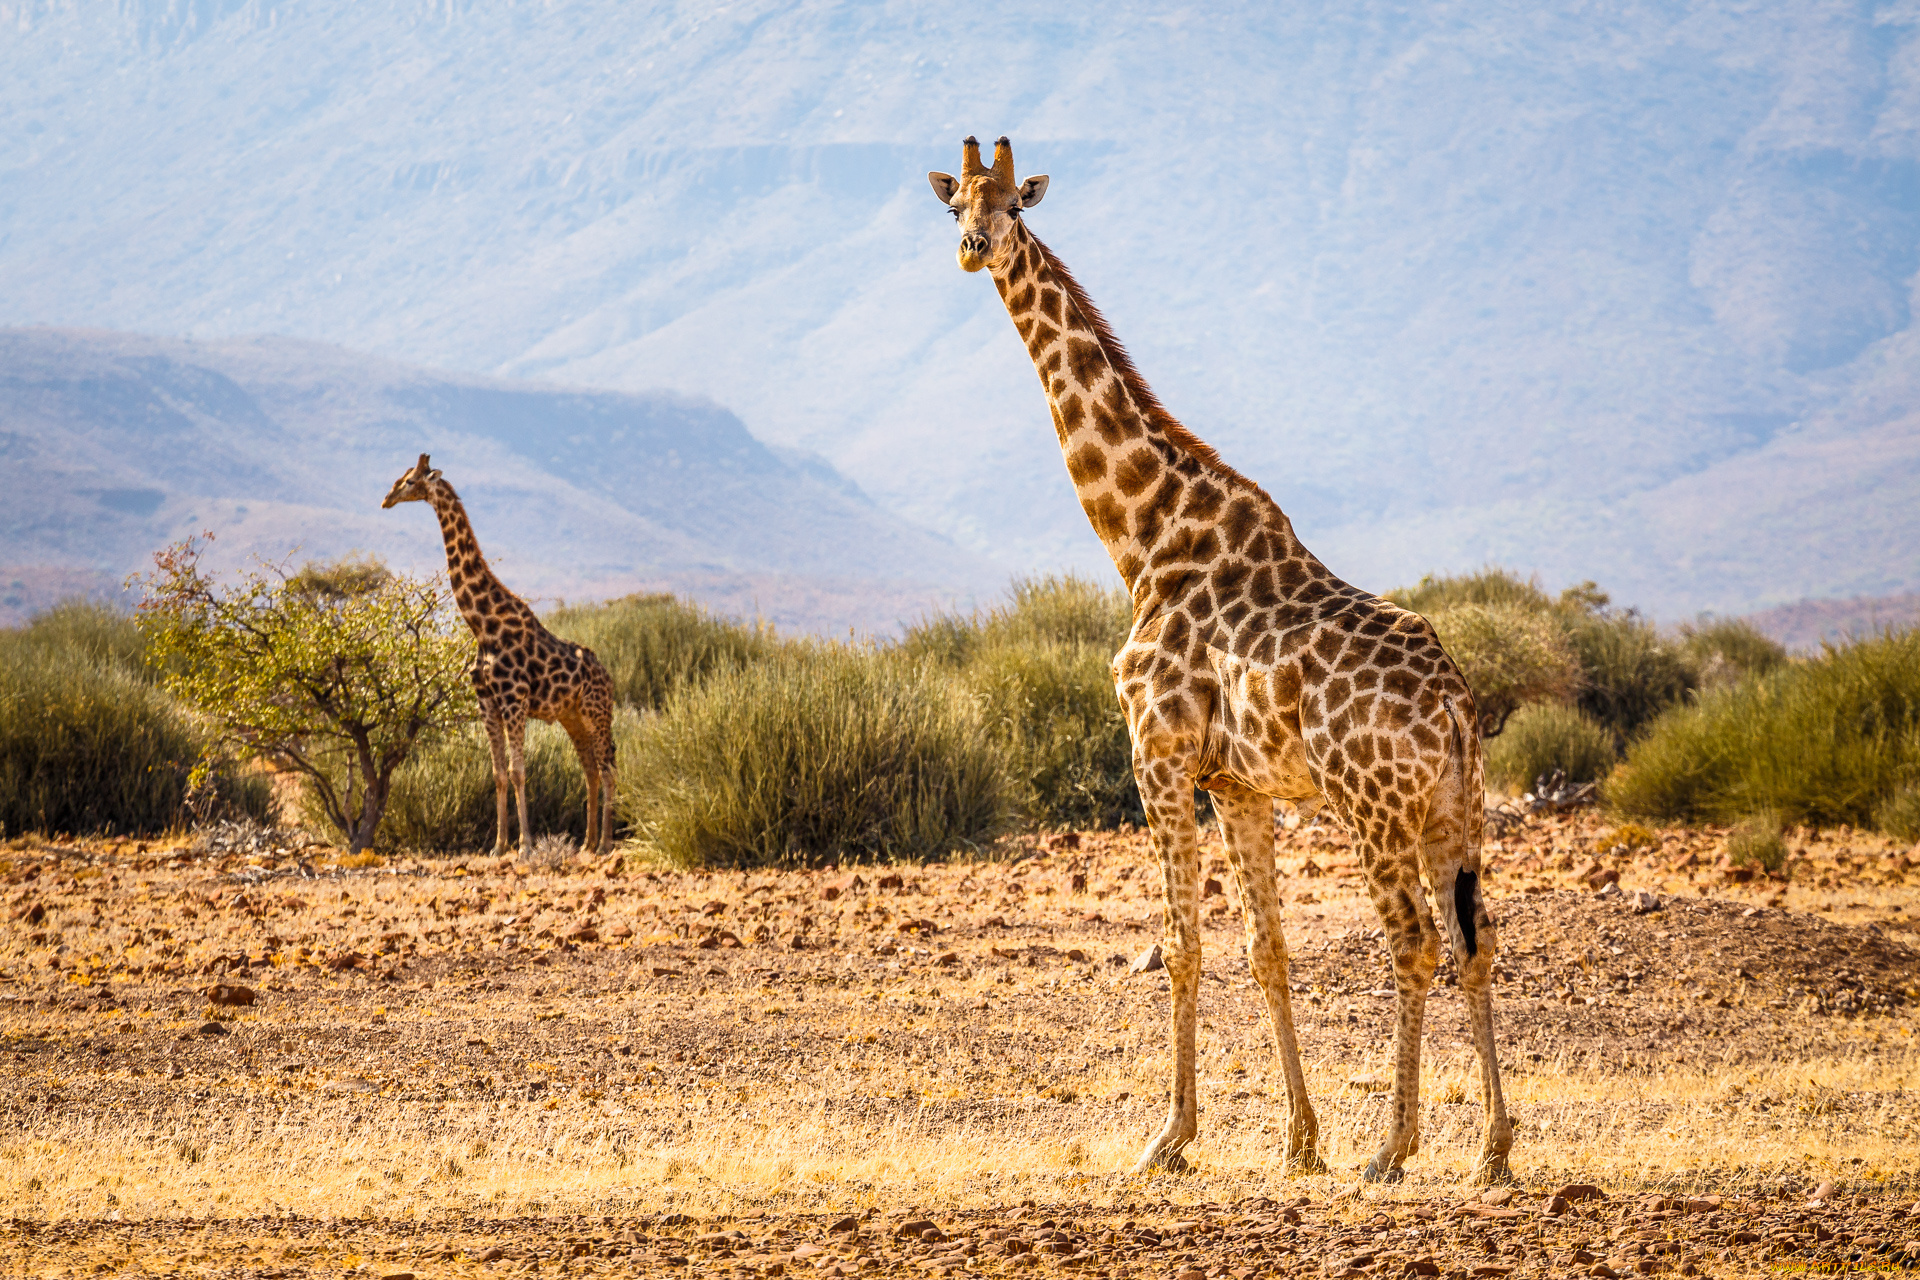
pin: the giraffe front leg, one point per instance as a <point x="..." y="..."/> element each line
<point x="502" y="777"/>
<point x="1246" y="819"/>
<point x="1415" y="944"/>
<point x="1167" y="795"/>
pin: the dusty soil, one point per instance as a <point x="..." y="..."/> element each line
<point x="588" y="1067"/>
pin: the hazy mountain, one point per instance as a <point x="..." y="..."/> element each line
<point x="1621" y="292"/>
<point x="113" y="445"/>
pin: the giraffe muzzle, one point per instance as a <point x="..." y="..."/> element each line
<point x="974" y="247"/>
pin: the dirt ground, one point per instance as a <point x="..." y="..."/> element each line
<point x="236" y="1056"/>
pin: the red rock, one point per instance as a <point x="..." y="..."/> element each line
<point x="222" y="993"/>
<point x="1575" y="1192"/>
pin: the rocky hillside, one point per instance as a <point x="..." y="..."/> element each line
<point x="113" y="445"/>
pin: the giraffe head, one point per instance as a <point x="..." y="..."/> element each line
<point x="986" y="201"/>
<point x="412" y="484"/>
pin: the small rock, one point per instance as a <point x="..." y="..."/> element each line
<point x="494" y="1254"/>
<point x="1077" y="882"/>
<point x="1575" y="1192"/>
<point x="1147" y="961"/>
<point x="1645" y="903"/>
<point x="911" y="1229"/>
<point x="1557" y="1206"/>
<point x="223" y="993"/>
<point x="948" y="959"/>
<point x="1603" y="1272"/>
<point x="891" y="880"/>
<point x="620" y="931"/>
<point x="1211" y="888"/>
<point x="808" y="1251"/>
<point x="1077" y="955"/>
<point x="845" y="1224"/>
<point x="1611" y="889"/>
<point x="212" y="1029"/>
<point x="1821" y="1194"/>
<point x="397" y="1275"/>
<point x="1497" y="1197"/>
<point x="1422" y="1267"/>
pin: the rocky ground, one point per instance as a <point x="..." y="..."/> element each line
<point x="235" y="1055"/>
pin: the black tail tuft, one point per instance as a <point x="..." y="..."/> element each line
<point x="1464" y="885"/>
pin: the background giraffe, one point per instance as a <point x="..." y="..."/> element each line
<point x="1252" y="672"/>
<point x="522" y="670"/>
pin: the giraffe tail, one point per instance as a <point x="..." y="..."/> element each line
<point x="1470" y="771"/>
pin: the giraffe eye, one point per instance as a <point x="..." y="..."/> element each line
<point x="955" y="213"/>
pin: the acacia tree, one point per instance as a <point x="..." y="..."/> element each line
<point x="336" y="672"/>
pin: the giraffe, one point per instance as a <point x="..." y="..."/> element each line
<point x="1253" y="673"/>
<point x="522" y="670"/>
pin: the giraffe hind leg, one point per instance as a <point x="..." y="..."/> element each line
<point x="1451" y="849"/>
<point x="1393" y="881"/>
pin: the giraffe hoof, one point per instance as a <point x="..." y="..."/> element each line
<point x="1163" y="1162"/>
<point x="1492" y="1171"/>
<point x="1378" y="1170"/>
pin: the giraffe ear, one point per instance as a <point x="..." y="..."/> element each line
<point x="433" y="475"/>
<point x="945" y="186"/>
<point x="1032" y="191"/>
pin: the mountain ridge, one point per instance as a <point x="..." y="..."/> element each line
<point x="117" y="444"/>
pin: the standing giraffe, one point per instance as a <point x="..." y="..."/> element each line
<point x="522" y="670"/>
<point x="1253" y="673"/>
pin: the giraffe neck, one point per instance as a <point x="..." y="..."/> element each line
<point x="1158" y="497"/>
<point x="483" y="600"/>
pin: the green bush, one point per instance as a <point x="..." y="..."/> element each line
<point x="1822" y="742"/>
<point x="1629" y="673"/>
<point x="1542" y="738"/>
<point x="1510" y="655"/>
<point x="1042" y="666"/>
<point x="88" y="744"/>
<point x="1053" y="712"/>
<point x="1046" y="609"/>
<point x="818" y="754"/>
<point x="652" y="644"/>
<point x="1489" y="587"/>
<point x="1725" y="650"/>
<point x="442" y="798"/>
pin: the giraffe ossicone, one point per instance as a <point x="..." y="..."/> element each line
<point x="522" y="671"/>
<point x="1255" y="674"/>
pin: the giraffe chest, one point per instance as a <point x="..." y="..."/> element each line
<point x="1254" y="732"/>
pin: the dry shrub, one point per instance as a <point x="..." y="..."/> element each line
<point x="1832" y="740"/>
<point x="1756" y="842"/>
<point x="89" y="743"/>
<point x="819" y="754"/>
<point x="1042" y="667"/>
<point x="653" y="644"/>
<point x="1510" y="655"/>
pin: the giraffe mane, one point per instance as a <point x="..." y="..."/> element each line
<point x="1176" y="431"/>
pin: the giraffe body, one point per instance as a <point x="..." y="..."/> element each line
<point x="522" y="671"/>
<point x="1253" y="673"/>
